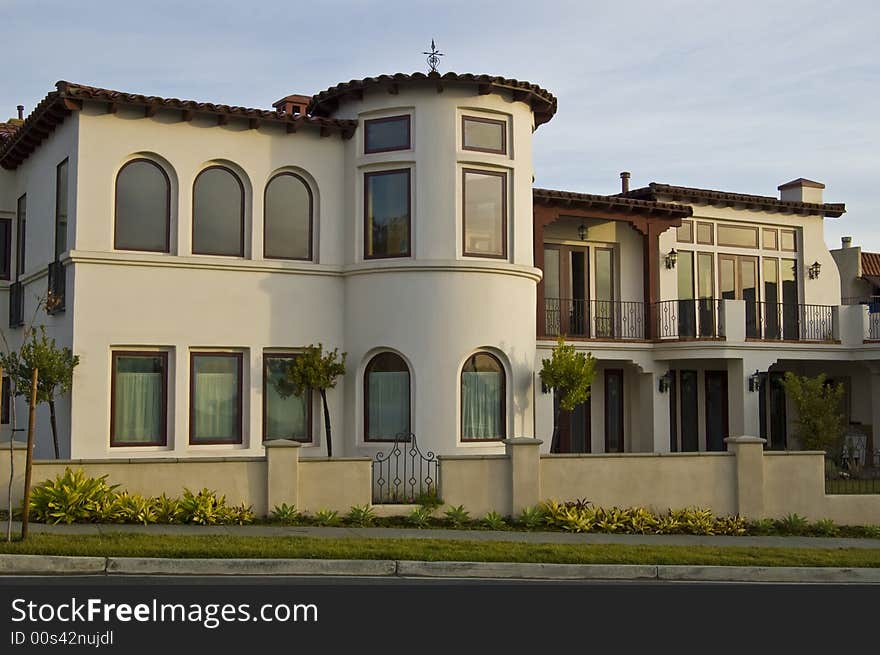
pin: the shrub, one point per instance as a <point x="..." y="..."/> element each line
<point x="286" y="514"/>
<point x="820" y="420"/>
<point x="532" y="517"/>
<point x="134" y="508"/>
<point x="203" y="508"/>
<point x="420" y="516"/>
<point x="428" y="499"/>
<point x="825" y="528"/>
<point x="326" y="517"/>
<point x="458" y="516"/>
<point x="494" y="521"/>
<point x="793" y="524"/>
<point x="237" y="515"/>
<point x="167" y="509"/>
<point x="71" y="497"/>
<point x="362" y="516"/>
<point x="763" y="527"/>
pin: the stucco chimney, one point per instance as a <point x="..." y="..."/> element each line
<point x="292" y="104"/>
<point x="20" y="112"/>
<point x="624" y="181"/>
<point x="801" y="190"/>
<point x="846" y="242"/>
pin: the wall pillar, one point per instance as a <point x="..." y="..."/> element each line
<point x="282" y="473"/>
<point x="749" y="481"/>
<point x="653" y="417"/>
<point x="19" y="454"/>
<point x="525" y="472"/>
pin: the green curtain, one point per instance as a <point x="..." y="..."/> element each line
<point x="216" y="407"/>
<point x="481" y="405"/>
<point x="138" y="407"/>
<point x="388" y="411"/>
<point x="285" y="417"/>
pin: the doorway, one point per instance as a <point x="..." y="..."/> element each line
<point x="738" y="277"/>
<point x="574" y="428"/>
<point x="716" y="410"/>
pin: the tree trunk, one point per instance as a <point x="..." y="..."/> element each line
<point x="11" y="451"/>
<point x="327" y="423"/>
<point x="29" y="461"/>
<point x="554" y="440"/>
<point x="54" y="427"/>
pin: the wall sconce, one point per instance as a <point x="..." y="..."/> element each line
<point x="665" y="382"/>
<point x="814" y="269"/>
<point x="755" y="381"/>
<point x="671" y="258"/>
<point x="582" y="232"/>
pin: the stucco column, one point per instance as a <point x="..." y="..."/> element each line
<point x="749" y="454"/>
<point x="282" y="472"/>
<point x="652" y="421"/>
<point x="524" y="455"/>
<point x="19" y="454"/>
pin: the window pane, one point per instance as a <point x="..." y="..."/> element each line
<point x="20" y="234"/>
<point x="5" y="397"/>
<point x="387" y="214"/>
<point x="61" y="208"/>
<point x="727" y="277"/>
<point x="685" y="275"/>
<point x="790" y="310"/>
<point x="484" y="214"/>
<point x="771" y="299"/>
<point x="685" y="233"/>
<point x="218" y="213"/>
<point x="387" y="397"/>
<point x="482" y="398"/>
<point x="139" y="400"/>
<point x="286" y="417"/>
<point x="484" y="134"/>
<point x="770" y="239"/>
<point x="787" y="240"/>
<point x="288" y="218"/>
<point x="704" y="233"/>
<point x="551" y="273"/>
<point x="142" y="215"/>
<point x="690" y="437"/>
<point x="705" y="276"/>
<point x="383" y="134"/>
<point x="604" y="274"/>
<point x="614" y="411"/>
<point x="738" y="236"/>
<point x="5" y="248"/>
<point x="216" y="397"/>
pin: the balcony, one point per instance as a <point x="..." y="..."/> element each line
<point x="689" y="319"/>
<point x="16" y="305"/>
<point x="605" y="320"/>
<point x="55" y="293"/>
<point x="790" y="322"/>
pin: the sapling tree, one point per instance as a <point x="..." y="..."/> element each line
<point x="569" y="374"/>
<point x="316" y="370"/>
<point x="820" y="423"/>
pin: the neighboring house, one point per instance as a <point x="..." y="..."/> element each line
<point x="198" y="247"/>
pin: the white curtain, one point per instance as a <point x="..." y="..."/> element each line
<point x="138" y="407"/>
<point x="481" y="405"/>
<point x="216" y="396"/>
<point x="388" y="411"/>
<point x="285" y="417"/>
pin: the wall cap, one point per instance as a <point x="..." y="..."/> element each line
<point x="16" y="445"/>
<point x="745" y="439"/>
<point x="282" y="443"/>
<point x="522" y="441"/>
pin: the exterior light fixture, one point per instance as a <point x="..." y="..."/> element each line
<point x="582" y="232"/>
<point x="665" y="381"/>
<point x="814" y="269"/>
<point x="671" y="258"/>
<point x="755" y="381"/>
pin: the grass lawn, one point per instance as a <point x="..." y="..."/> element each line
<point x="188" y="546"/>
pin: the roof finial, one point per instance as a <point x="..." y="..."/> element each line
<point x="433" y="57"/>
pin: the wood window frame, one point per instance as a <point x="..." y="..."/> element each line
<point x="241" y="214"/>
<point x="6" y="245"/>
<point x="161" y="354"/>
<point x="388" y="119"/>
<point x="239" y="356"/>
<point x="308" y="187"/>
<point x="610" y="372"/>
<point x="63" y="162"/>
<point x="367" y="233"/>
<point x="687" y="224"/>
<point x="752" y="228"/>
<point x="503" y="176"/>
<point x="167" y="248"/>
<point x="769" y="230"/>
<point x="490" y="121"/>
<point x="793" y="234"/>
<point x="281" y="354"/>
<point x="20" y="236"/>
<point x="503" y="409"/>
<point x="711" y="241"/>
<point x="367" y="370"/>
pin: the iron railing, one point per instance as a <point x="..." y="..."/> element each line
<point x="405" y="473"/>
<point x="689" y="319"/>
<point x="55" y="293"/>
<point x="16" y="305"/>
<point x="792" y="322"/>
<point x="874" y="326"/>
<point x="873" y="303"/>
<point x="594" y="319"/>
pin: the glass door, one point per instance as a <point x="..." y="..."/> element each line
<point x="738" y="277"/>
<point x="604" y="292"/>
<point x="716" y="410"/>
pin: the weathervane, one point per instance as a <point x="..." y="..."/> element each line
<point x="433" y="57"/>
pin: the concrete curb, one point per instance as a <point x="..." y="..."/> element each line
<point x="768" y="574"/>
<point x="168" y="566"/>
<point x="531" y="571"/>
<point x="51" y="565"/>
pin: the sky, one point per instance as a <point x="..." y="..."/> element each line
<point x="735" y="96"/>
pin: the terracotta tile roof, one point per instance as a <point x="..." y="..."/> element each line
<point x="767" y="203"/>
<point x="611" y="203"/>
<point x="68" y="97"/>
<point x="871" y="263"/>
<point x="543" y="102"/>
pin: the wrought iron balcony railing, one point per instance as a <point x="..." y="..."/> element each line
<point x="594" y="319"/>
<point x="790" y="322"/>
<point x="689" y="319"/>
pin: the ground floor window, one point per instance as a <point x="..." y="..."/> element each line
<point x="284" y="417"/>
<point x="215" y="398"/>
<point x="482" y="398"/>
<point x="139" y="397"/>
<point x="614" y="410"/>
<point x="386" y="398"/>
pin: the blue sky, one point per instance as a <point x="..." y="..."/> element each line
<point x="733" y="96"/>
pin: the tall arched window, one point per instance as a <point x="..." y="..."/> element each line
<point x="143" y="207"/>
<point x="386" y="397"/>
<point x="218" y="213"/>
<point x="482" y="398"/>
<point x="287" y="227"/>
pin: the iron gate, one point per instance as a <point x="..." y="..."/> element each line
<point x="405" y="473"/>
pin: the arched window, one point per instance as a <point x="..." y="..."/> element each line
<point x="482" y="398"/>
<point x="218" y="213"/>
<point x="287" y="227"/>
<point x="143" y="207"/>
<point x="386" y="397"/>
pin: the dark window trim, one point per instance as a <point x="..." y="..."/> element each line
<point x="239" y="356"/>
<point x="367" y="234"/>
<point x="116" y="245"/>
<point x="753" y="228"/>
<point x="503" y="176"/>
<point x="278" y="354"/>
<point x="311" y="217"/>
<point x="241" y="221"/>
<point x="367" y="371"/>
<point x="491" y="121"/>
<point x="20" y="236"/>
<point x="693" y="229"/>
<point x="794" y="238"/>
<point x="503" y="399"/>
<point x="608" y="373"/>
<point x="766" y="230"/>
<point x="711" y="241"/>
<point x="372" y="121"/>
<point x="163" y="354"/>
<point x="6" y="271"/>
<point x="65" y="161"/>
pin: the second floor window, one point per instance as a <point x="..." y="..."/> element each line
<point x="386" y="134"/>
<point x="387" y="214"/>
<point x="484" y="135"/>
<point x="5" y="248"/>
<point x="386" y="397"/>
<point x="288" y="218"/>
<point x="218" y="213"/>
<point x="61" y="209"/>
<point x="20" y="234"/>
<point x="143" y="207"/>
<point x="485" y="213"/>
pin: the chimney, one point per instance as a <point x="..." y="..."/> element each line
<point x="846" y="242"/>
<point x="293" y="104"/>
<point x="20" y="112"/>
<point x="801" y="190"/>
<point x="624" y="181"/>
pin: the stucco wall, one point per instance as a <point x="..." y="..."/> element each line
<point x="337" y="484"/>
<point x="480" y="483"/>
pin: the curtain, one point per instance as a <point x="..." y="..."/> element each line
<point x="481" y="405"/>
<point x="388" y="410"/>
<point x="285" y="417"/>
<point x="216" y="410"/>
<point x="138" y="407"/>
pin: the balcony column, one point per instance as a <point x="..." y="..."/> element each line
<point x="651" y="268"/>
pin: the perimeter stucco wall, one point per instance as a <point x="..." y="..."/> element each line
<point x="481" y="483"/>
<point x="336" y="484"/>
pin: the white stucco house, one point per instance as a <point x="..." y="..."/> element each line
<point x="197" y="247"/>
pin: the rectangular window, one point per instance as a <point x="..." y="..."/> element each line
<point x="685" y="233"/>
<point x="690" y="425"/>
<point x="790" y="310"/>
<point x="705" y="234"/>
<point x="386" y="134"/>
<point x="5" y="248"/>
<point x="687" y="310"/>
<point x="387" y="214"/>
<point x="614" y="410"/>
<point x="771" y="298"/>
<point x="20" y="233"/>
<point x="284" y="416"/>
<point x="6" y="394"/>
<point x="706" y="293"/>
<point x="215" y="402"/>
<point x="485" y="213"/>
<point x="484" y="135"/>
<point x="771" y="238"/>
<point x="139" y="399"/>
<point x="604" y="306"/>
<point x="61" y="209"/>
<point x="787" y="240"/>
<point x="738" y="236"/>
